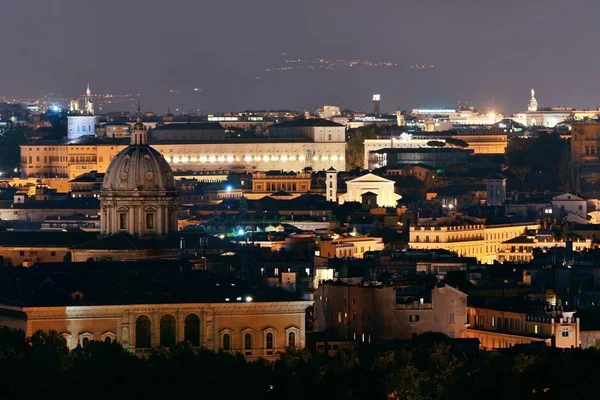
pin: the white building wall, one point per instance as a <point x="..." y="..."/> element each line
<point x="80" y="125"/>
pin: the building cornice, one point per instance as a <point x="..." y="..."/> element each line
<point x="115" y="311"/>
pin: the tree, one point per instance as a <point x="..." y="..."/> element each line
<point x="436" y="143"/>
<point x="457" y="143"/>
<point x="548" y="156"/>
<point x="520" y="171"/>
<point x="11" y="138"/>
<point x="355" y="148"/>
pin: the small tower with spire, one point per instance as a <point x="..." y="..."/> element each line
<point x="139" y="133"/>
<point x="89" y="105"/>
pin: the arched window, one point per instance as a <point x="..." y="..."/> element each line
<point x="248" y="341"/>
<point x="85" y="342"/>
<point x="587" y="150"/>
<point x="593" y="150"/>
<point x="269" y="341"/>
<point x="167" y="330"/>
<point x="107" y="339"/>
<point x="143" y="332"/>
<point x="192" y="330"/>
<point x="292" y="339"/>
<point x="227" y="341"/>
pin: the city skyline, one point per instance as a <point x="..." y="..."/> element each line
<point x="208" y="58"/>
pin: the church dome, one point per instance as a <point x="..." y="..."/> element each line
<point x="138" y="167"/>
<point x="138" y="191"/>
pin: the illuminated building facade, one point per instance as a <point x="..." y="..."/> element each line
<point x="381" y="312"/>
<point x="480" y="241"/>
<point x="264" y="183"/>
<point x="214" y="313"/>
<point x="349" y="247"/>
<point x="292" y="147"/>
<point x="585" y="154"/>
<point x="503" y="327"/>
<point x="481" y="141"/>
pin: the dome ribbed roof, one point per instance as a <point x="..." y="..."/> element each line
<point x="138" y="167"/>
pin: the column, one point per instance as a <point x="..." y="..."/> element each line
<point x="141" y="220"/>
<point x="131" y="220"/>
<point x="180" y="326"/>
<point x="166" y="219"/>
<point x="155" y="329"/>
<point x="159" y="219"/>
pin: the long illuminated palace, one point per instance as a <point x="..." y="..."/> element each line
<point x="290" y="145"/>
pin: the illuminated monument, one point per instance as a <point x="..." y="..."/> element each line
<point x="533" y="104"/>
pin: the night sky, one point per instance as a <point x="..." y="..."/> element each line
<point x="488" y="53"/>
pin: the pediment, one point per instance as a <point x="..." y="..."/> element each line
<point x="370" y="178"/>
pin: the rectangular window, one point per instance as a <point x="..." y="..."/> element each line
<point x="535" y="329"/>
<point x="149" y="221"/>
<point x="481" y="322"/>
<point x="413" y="318"/>
<point x="493" y="322"/>
<point x="122" y="221"/>
<point x="451" y="318"/>
<point x="565" y="333"/>
<point x="339" y="317"/>
<point x="517" y="323"/>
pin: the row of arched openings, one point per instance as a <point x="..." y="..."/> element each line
<point x="167" y="331"/>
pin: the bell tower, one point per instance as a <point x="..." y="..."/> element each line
<point x="331" y="185"/>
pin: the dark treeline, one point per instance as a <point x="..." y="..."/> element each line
<point x="428" y="367"/>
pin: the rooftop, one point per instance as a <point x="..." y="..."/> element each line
<point x="190" y="126"/>
<point x="314" y="122"/>
<point x="117" y="283"/>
